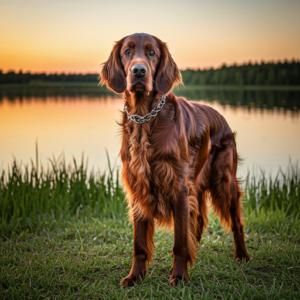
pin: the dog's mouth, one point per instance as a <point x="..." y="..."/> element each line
<point x="139" y="87"/>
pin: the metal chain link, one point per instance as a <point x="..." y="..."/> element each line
<point x="142" y="119"/>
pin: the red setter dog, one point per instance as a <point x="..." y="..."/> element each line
<point x="176" y="156"/>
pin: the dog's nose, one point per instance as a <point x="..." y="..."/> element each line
<point x="139" y="70"/>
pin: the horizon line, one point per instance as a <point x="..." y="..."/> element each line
<point x="224" y="64"/>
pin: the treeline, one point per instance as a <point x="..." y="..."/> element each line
<point x="280" y="73"/>
<point x="20" y="77"/>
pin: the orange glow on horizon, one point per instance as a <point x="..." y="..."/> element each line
<point x="76" y="37"/>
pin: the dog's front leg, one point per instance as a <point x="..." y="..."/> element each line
<point x="143" y="247"/>
<point x="180" y="248"/>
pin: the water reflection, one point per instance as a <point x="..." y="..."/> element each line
<point x="21" y="94"/>
<point x="262" y="99"/>
<point x="267" y="123"/>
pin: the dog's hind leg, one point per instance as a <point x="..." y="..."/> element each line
<point x="237" y="221"/>
<point x="226" y="199"/>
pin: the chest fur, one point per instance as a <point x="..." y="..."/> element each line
<point x="148" y="180"/>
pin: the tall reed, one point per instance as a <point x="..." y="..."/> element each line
<point x="281" y="193"/>
<point x="34" y="198"/>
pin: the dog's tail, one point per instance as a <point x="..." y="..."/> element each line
<point x="193" y="214"/>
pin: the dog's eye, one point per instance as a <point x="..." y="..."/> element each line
<point x="127" y="52"/>
<point x="151" y="52"/>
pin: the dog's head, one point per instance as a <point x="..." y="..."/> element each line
<point x="140" y="63"/>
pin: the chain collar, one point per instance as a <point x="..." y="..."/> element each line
<point x="142" y="119"/>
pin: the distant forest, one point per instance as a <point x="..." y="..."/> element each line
<point x="280" y="73"/>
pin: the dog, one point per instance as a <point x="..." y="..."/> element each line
<point x="177" y="157"/>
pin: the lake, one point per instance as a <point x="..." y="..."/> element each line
<point x="75" y="121"/>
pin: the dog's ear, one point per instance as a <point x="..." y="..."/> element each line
<point x="112" y="73"/>
<point x="168" y="74"/>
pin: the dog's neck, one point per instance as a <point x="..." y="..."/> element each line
<point x="139" y="103"/>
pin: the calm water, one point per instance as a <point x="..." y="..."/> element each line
<point x="267" y="123"/>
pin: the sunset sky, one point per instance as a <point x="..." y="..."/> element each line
<point x="77" y="36"/>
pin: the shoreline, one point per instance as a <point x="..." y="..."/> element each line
<point x="92" y="85"/>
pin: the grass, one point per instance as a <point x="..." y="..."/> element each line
<point x="86" y="260"/>
<point x="65" y="235"/>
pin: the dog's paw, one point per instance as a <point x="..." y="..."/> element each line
<point x="240" y="257"/>
<point x="176" y="277"/>
<point x="130" y="280"/>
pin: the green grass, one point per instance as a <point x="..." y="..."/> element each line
<point x="65" y="235"/>
<point x="86" y="260"/>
